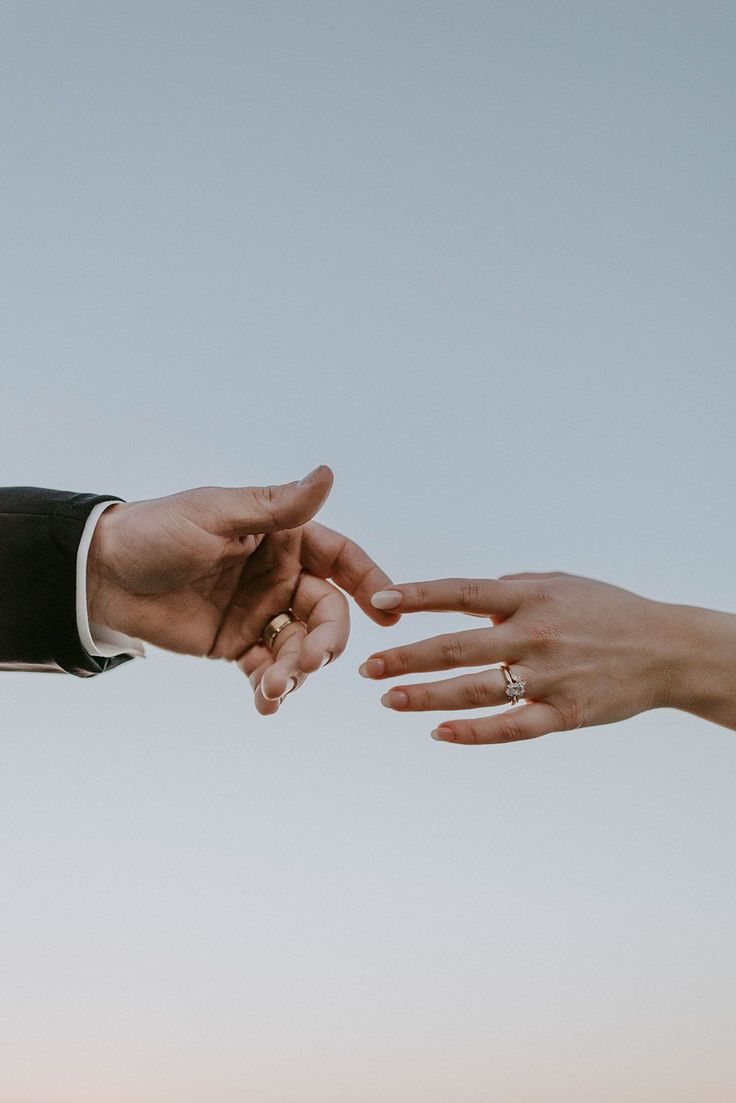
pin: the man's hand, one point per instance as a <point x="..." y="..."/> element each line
<point x="202" y="572"/>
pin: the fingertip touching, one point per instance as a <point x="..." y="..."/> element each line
<point x="386" y="600"/>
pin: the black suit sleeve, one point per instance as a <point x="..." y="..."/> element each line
<point x="40" y="531"/>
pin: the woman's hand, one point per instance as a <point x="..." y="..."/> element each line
<point x="589" y="653"/>
<point x="202" y="573"/>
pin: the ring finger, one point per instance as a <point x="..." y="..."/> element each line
<point x="470" y="691"/>
<point x="283" y="676"/>
<point x="278" y="669"/>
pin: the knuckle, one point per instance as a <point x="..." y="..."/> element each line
<point x="570" y="713"/>
<point x="202" y="495"/>
<point x="545" y="633"/>
<point x="471" y="733"/>
<point x="468" y="593"/>
<point x="510" y="730"/>
<point x="475" y="693"/>
<point x="420" y="698"/>
<point x="397" y="662"/>
<point x="538" y="592"/>
<point x="452" y="650"/>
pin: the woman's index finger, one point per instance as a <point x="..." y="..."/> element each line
<point x="478" y="596"/>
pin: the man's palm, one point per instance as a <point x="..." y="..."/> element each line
<point x="202" y="572"/>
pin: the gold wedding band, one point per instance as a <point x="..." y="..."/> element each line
<point x="276" y="625"/>
<point x="515" y="687"/>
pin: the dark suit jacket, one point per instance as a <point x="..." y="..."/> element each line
<point x="40" y="531"/>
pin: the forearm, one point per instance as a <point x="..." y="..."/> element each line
<point x="702" y="676"/>
<point x="40" y="534"/>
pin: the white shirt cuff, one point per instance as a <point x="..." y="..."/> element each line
<point x="95" y="638"/>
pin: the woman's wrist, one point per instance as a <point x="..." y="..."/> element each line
<point x="701" y="674"/>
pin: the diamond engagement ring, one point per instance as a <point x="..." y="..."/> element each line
<point x="515" y="687"/>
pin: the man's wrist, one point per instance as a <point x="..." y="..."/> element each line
<point x="97" y="639"/>
<point x="101" y="583"/>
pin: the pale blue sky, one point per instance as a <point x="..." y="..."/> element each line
<point x="479" y="257"/>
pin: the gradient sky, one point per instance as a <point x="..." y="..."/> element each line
<point x="479" y="257"/>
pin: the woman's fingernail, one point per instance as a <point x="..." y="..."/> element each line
<point x="372" y="668"/>
<point x="442" y="733"/>
<point x="291" y="684"/>
<point x="386" y="599"/>
<point x="326" y="658"/>
<point x="312" y="475"/>
<point x="395" y="699"/>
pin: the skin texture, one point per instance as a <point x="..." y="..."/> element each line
<point x="202" y="572"/>
<point x="590" y="653"/>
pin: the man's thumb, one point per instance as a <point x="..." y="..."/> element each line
<point x="271" y="508"/>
